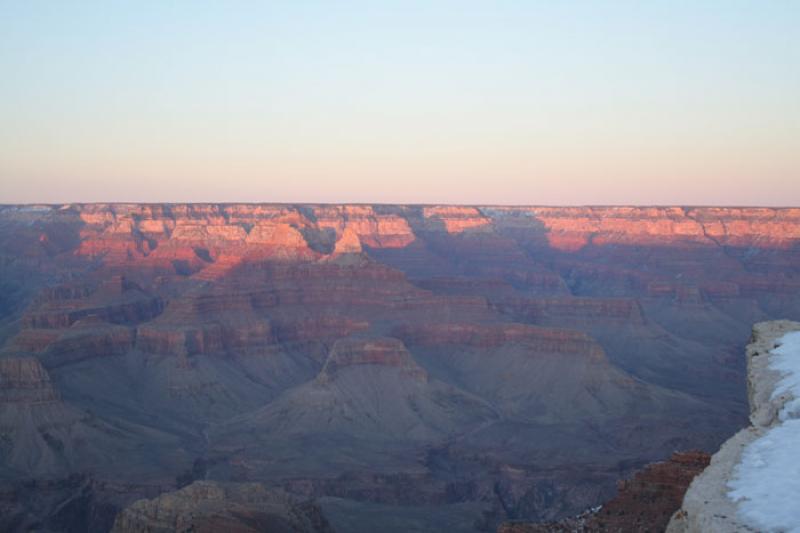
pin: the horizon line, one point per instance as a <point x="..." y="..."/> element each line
<point x="398" y="204"/>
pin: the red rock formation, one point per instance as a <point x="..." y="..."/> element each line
<point x="318" y="328"/>
<point x="372" y="351"/>
<point x="455" y="219"/>
<point x="561" y="342"/>
<point x="571" y="228"/>
<point x="348" y="243"/>
<point x="643" y="503"/>
<point x="210" y="338"/>
<point x="376" y="230"/>
<point x="538" y="339"/>
<point x="86" y="341"/>
<point x="134" y="311"/>
<point x="117" y="229"/>
<point x="538" y="310"/>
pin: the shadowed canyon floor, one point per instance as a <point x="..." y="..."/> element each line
<point x="643" y="504"/>
<point x="356" y="367"/>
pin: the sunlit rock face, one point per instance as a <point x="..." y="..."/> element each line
<point x="420" y="363"/>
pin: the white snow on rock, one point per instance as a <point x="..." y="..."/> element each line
<point x="786" y="360"/>
<point x="766" y="483"/>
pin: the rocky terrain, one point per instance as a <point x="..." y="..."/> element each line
<point x="206" y="507"/>
<point x="406" y="367"/>
<point x="711" y="503"/>
<point x="644" y="503"/>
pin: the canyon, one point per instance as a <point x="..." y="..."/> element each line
<point x="365" y="367"/>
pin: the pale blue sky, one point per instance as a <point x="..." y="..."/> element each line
<point x="475" y="102"/>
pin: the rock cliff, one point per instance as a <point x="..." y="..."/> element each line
<point x="236" y="508"/>
<point x="709" y="504"/>
<point x="24" y="380"/>
<point x="643" y="503"/>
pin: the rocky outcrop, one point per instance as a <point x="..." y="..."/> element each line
<point x="454" y="219"/>
<point x="124" y="312"/>
<point x="584" y="310"/>
<point x="707" y="505"/>
<point x="571" y="228"/>
<point x="387" y="352"/>
<point x="383" y="227"/>
<point x="348" y="243"/>
<point x="24" y="380"/>
<point x="323" y="328"/>
<point x="86" y="341"/>
<point x="643" y="503"/>
<point x="207" y="507"/>
<point x="43" y="436"/>
<point x="76" y="503"/>
<point x="534" y="338"/>
<point x="209" y="338"/>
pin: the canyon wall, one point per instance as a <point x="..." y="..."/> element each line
<point x="421" y="360"/>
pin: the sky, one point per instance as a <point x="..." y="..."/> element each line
<point x="490" y="102"/>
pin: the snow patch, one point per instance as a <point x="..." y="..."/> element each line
<point x="787" y="363"/>
<point x="766" y="483"/>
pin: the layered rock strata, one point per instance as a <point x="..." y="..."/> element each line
<point x="24" y="380"/>
<point x="517" y="360"/>
<point x="643" y="503"/>
<point x="207" y="507"/>
<point x="387" y="352"/>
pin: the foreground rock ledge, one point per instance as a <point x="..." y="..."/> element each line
<point x="643" y="503"/>
<point x="208" y="507"/>
<point x="706" y="506"/>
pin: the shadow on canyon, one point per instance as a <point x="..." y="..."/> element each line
<point x="393" y="367"/>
